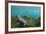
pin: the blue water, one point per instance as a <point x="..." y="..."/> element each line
<point x="31" y="11"/>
